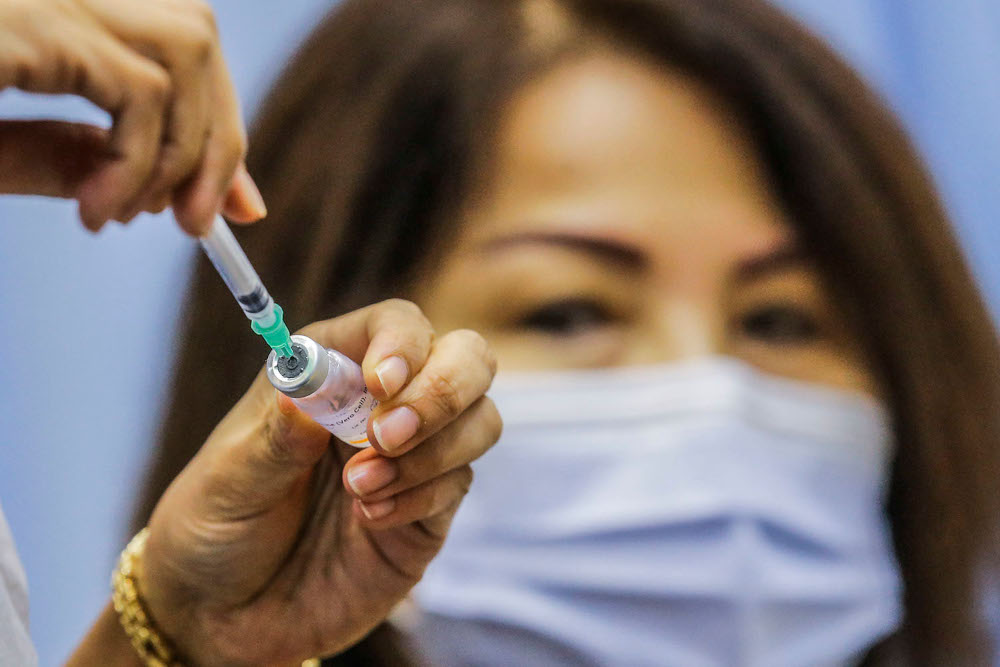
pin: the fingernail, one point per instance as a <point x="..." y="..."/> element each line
<point x="395" y="427"/>
<point x="371" y="476"/>
<point x="254" y="199"/>
<point x="380" y="509"/>
<point x="392" y="373"/>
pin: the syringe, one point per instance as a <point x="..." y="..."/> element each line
<point x="232" y="264"/>
<point x="325" y="384"/>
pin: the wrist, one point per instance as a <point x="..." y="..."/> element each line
<point x="171" y="607"/>
<point x="198" y="636"/>
<point x="105" y="644"/>
<point x="182" y="598"/>
<point x="155" y="615"/>
<point x="152" y="647"/>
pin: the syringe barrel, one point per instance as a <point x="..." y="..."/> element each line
<point x="328" y="387"/>
<point x="232" y="264"/>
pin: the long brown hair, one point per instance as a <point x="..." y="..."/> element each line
<point x="366" y="145"/>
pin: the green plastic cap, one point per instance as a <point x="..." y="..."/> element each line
<point x="276" y="335"/>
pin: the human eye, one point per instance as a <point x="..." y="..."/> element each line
<point x="567" y="317"/>
<point x="779" y="324"/>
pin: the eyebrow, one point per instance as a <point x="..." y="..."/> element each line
<point x="784" y="256"/>
<point x="625" y="254"/>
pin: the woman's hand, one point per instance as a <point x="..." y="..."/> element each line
<point x="156" y="66"/>
<point x="277" y="543"/>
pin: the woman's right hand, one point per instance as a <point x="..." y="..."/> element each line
<point x="277" y="543"/>
<point x="156" y="67"/>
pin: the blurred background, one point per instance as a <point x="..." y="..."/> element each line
<point x="76" y="424"/>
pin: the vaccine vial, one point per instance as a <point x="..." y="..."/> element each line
<point x="325" y="385"/>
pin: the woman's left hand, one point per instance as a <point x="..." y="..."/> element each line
<point x="277" y="543"/>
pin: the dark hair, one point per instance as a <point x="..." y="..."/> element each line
<point x="366" y="146"/>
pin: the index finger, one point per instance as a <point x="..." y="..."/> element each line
<point x="200" y="198"/>
<point x="391" y="340"/>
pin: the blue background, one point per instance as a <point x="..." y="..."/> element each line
<point x="76" y="424"/>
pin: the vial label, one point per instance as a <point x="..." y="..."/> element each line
<point x="350" y="423"/>
<point x="341" y="403"/>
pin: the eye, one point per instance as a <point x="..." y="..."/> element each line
<point x="779" y="324"/>
<point x="568" y="317"/>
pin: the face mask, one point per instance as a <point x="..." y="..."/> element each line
<point x="698" y="513"/>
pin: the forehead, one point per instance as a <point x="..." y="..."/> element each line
<point x="609" y="143"/>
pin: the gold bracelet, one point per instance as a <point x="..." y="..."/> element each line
<point x="153" y="648"/>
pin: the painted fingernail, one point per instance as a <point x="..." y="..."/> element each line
<point x="254" y="199"/>
<point x="392" y="373"/>
<point x="396" y="427"/>
<point x="371" y="476"/>
<point x="380" y="509"/>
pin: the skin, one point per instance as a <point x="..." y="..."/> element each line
<point x="262" y="551"/>
<point x="177" y="136"/>
<point x="276" y="543"/>
<point x="660" y="239"/>
<point x="269" y="549"/>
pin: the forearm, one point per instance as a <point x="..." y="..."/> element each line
<point x="106" y="644"/>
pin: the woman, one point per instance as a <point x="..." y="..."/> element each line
<point x="617" y="183"/>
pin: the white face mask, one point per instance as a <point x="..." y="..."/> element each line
<point x="699" y="513"/>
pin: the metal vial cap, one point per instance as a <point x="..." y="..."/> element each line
<point x="313" y="363"/>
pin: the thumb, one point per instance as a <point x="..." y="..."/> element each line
<point x="49" y="158"/>
<point x="264" y="457"/>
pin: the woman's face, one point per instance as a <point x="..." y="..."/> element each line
<point x="627" y="220"/>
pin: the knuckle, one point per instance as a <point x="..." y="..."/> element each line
<point x="155" y="83"/>
<point x="404" y="306"/>
<point x="25" y="71"/>
<point x="215" y="482"/>
<point x="437" y="498"/>
<point x="206" y="17"/>
<point x="493" y="421"/>
<point x="233" y="147"/>
<point x="198" y="43"/>
<point x="478" y="345"/>
<point x="435" y="461"/>
<point x="444" y="395"/>
<point x="178" y="159"/>
<point x="469" y="338"/>
<point x="491" y="361"/>
<point x="464" y="479"/>
<point x="240" y="144"/>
